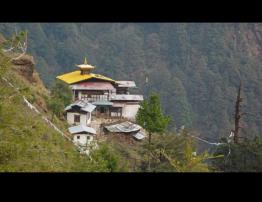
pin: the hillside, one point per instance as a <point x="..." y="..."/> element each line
<point x="195" y="67"/>
<point x="27" y="142"/>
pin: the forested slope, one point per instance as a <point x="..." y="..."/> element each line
<point x="195" y="67"/>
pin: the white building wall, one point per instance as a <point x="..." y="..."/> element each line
<point x="85" y="119"/>
<point x="89" y="118"/>
<point x="83" y="139"/>
<point x="79" y="95"/>
<point x="130" y="111"/>
<point x="70" y="118"/>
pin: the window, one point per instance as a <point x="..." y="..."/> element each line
<point x="78" y="137"/>
<point x="77" y="118"/>
<point x="102" y="110"/>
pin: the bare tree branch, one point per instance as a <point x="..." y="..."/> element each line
<point x="17" y="45"/>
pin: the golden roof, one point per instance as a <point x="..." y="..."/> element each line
<point x="76" y="76"/>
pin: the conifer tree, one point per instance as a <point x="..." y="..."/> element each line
<point x="152" y="119"/>
<point x="150" y="116"/>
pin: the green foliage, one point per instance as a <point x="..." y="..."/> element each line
<point x="56" y="105"/>
<point x="8" y="152"/>
<point x="61" y="91"/>
<point x="243" y="157"/>
<point x="61" y="96"/>
<point x="181" y="107"/>
<point x="103" y="159"/>
<point x="189" y="162"/>
<point x="4" y="63"/>
<point x="107" y="158"/>
<point x="150" y="115"/>
<point x="170" y="152"/>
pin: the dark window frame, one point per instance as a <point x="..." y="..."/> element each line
<point x="77" y="118"/>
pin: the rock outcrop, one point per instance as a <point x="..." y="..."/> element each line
<point x="25" y="66"/>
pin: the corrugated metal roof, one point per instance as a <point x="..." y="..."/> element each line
<point x="89" y="108"/>
<point x="81" y="128"/>
<point x="124" y="127"/>
<point x="68" y="107"/>
<point x="88" y="85"/>
<point x="139" y="135"/>
<point x="76" y="76"/>
<point x="128" y="84"/>
<point x="83" y="104"/>
<point x="127" y="97"/>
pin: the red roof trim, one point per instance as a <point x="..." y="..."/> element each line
<point x="95" y="85"/>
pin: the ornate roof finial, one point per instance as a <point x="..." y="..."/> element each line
<point x="85" y="68"/>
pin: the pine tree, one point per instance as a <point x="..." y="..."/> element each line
<point x="150" y="116"/>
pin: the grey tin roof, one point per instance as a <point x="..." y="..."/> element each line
<point x="124" y="127"/>
<point x="81" y="128"/>
<point x="139" y="135"/>
<point x="83" y="104"/>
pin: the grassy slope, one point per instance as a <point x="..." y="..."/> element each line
<point x="27" y="143"/>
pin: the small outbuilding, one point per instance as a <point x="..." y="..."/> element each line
<point x="79" y="112"/>
<point x="82" y="135"/>
<point x="126" y="127"/>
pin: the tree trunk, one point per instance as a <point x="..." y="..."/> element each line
<point x="149" y="138"/>
<point x="237" y="115"/>
<point x="149" y="163"/>
<point x="149" y="149"/>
